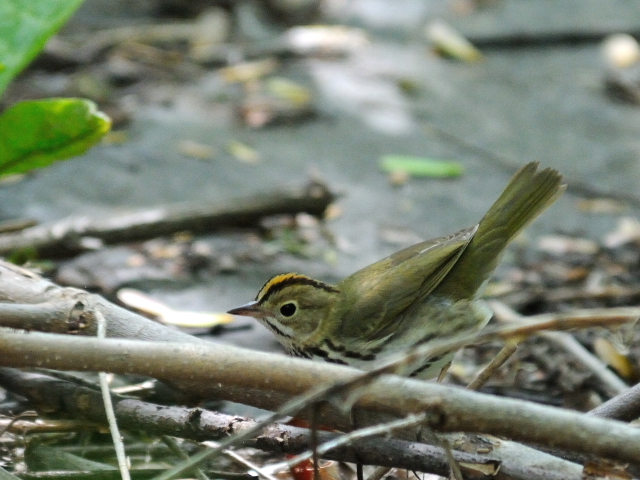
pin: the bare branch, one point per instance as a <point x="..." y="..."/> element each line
<point x="62" y="316"/>
<point x="610" y="381"/>
<point x="625" y="407"/>
<point x="449" y="409"/>
<point x="62" y="397"/>
<point x="486" y="373"/>
<point x="66" y="237"/>
<point x="72" y="309"/>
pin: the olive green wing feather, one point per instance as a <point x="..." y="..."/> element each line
<point x="382" y="291"/>
<point x="454" y="267"/>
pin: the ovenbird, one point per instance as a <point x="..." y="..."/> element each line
<point x="424" y="293"/>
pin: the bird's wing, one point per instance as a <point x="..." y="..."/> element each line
<point x="384" y="290"/>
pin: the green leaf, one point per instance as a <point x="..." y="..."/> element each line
<point x="35" y="134"/>
<point x="25" y="26"/>
<point x="421" y="167"/>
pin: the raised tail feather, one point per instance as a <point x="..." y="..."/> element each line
<point x="526" y="196"/>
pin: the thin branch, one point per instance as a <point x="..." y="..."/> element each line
<point x="612" y="384"/>
<point x="456" y="474"/>
<point x="610" y="381"/>
<point x="487" y="372"/>
<point x="625" y="407"/>
<point x="386" y="428"/>
<point x="61" y="316"/>
<point x="67" y="237"/>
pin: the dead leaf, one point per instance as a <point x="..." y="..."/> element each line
<point x="562" y="245"/>
<point x="612" y="356"/>
<point x="627" y="231"/>
<point x="143" y="302"/>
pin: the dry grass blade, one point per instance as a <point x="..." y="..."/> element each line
<point x="108" y="407"/>
<point x="242" y="461"/>
<point x="383" y="428"/>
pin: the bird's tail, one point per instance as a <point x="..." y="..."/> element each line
<point x="526" y="196"/>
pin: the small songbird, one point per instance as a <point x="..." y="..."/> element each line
<point x="427" y="292"/>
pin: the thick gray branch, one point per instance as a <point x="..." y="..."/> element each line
<point x="625" y="407"/>
<point x="211" y="369"/>
<point x="71" y="309"/>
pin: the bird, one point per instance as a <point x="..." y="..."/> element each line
<point x="426" y="293"/>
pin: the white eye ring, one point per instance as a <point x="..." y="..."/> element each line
<point x="288" y="309"/>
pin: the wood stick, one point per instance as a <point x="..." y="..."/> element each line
<point x="68" y="237"/>
<point x="70" y="400"/>
<point x="213" y="369"/>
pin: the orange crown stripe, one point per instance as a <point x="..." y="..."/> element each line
<point x="274" y="281"/>
<point x="282" y="280"/>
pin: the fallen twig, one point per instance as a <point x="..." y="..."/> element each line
<point x="625" y="407"/>
<point x="65" y="398"/>
<point x="486" y="373"/>
<point x="22" y="292"/>
<point x="610" y="381"/>
<point x="68" y="237"/>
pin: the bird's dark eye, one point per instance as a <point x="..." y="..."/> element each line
<point x="288" y="309"/>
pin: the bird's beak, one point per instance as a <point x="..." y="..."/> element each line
<point x="251" y="309"/>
